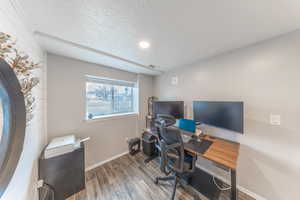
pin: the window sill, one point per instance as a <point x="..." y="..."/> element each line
<point x="110" y="117"/>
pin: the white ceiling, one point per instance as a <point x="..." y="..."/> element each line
<point x="181" y="32"/>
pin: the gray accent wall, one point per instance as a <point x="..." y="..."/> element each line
<point x="265" y="77"/>
<point x="66" y="108"/>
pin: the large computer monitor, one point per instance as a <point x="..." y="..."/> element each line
<point x="174" y="108"/>
<point x="227" y="115"/>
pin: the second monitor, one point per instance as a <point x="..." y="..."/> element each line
<point x="222" y="114"/>
<point x="174" y="108"/>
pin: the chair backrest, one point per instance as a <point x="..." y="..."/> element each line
<point x="171" y="135"/>
<point x="163" y="120"/>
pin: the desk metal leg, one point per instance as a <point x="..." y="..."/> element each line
<point x="233" y="185"/>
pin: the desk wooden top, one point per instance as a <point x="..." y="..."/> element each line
<point x="221" y="151"/>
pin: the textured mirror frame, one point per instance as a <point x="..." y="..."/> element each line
<point x="14" y="124"/>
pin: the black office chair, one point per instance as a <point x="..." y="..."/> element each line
<point x="174" y="160"/>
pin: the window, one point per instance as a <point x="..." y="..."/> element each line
<point x="109" y="97"/>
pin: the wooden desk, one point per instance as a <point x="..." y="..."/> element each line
<point x="222" y="152"/>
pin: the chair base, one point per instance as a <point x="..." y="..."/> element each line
<point x="177" y="181"/>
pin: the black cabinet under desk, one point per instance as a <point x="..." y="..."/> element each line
<point x="64" y="174"/>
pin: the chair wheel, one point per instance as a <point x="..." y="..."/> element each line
<point x="156" y="181"/>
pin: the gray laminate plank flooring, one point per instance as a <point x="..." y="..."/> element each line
<point x="129" y="178"/>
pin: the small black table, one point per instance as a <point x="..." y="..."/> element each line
<point x="65" y="174"/>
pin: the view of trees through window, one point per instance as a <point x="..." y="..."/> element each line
<point x="106" y="99"/>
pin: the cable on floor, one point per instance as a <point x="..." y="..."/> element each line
<point x="219" y="187"/>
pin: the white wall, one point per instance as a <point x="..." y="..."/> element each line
<point x="66" y="108"/>
<point x="266" y="77"/>
<point x="145" y="91"/>
<point x="23" y="184"/>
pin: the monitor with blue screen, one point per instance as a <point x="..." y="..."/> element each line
<point x="187" y="125"/>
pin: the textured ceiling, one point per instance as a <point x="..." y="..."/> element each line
<point x="181" y="32"/>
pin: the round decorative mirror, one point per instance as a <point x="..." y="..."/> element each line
<point x="12" y="123"/>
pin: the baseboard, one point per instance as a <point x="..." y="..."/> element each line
<point x="242" y="189"/>
<point x="250" y="193"/>
<point x="105" y="161"/>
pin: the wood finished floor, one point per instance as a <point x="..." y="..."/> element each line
<point x="128" y="178"/>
